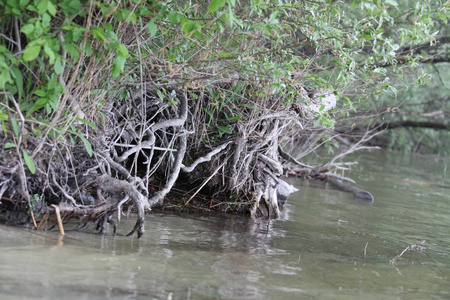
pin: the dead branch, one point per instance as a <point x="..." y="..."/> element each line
<point x="205" y="158"/>
<point x="359" y="194"/>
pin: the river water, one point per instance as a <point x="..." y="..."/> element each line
<point x="325" y="246"/>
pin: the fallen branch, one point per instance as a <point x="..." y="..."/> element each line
<point x="359" y="194"/>
<point x="410" y="247"/>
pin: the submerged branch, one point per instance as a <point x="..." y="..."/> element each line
<point x="359" y="194"/>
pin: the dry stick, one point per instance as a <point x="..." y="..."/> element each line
<point x="206" y="181"/>
<point x="286" y="156"/>
<point x="74" y="202"/>
<point x="356" y="147"/>
<point x="392" y="261"/>
<point x="58" y="218"/>
<point x="205" y="158"/>
<point x="42" y="221"/>
<point x="365" y="253"/>
<point x="119" y="206"/>
<point x="144" y="146"/>
<point x="342" y="178"/>
<point x="17" y="34"/>
<point x="141" y="145"/>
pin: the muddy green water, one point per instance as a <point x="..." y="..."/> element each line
<point x="326" y="246"/>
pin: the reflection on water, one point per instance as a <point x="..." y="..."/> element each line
<point x="325" y="246"/>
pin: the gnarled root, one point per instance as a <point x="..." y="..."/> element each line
<point x="120" y="187"/>
<point x="273" y="195"/>
<point x="114" y="191"/>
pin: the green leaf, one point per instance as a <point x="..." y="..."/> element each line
<point x="27" y="29"/>
<point x="87" y="145"/>
<point x="3" y="116"/>
<point x="90" y="124"/>
<point x="51" y="8"/>
<point x="152" y="28"/>
<point x="189" y="26"/>
<point x="15" y="127"/>
<point x="41" y="6"/>
<point x="98" y="33"/>
<point x="75" y="5"/>
<point x="215" y="5"/>
<point x="224" y="129"/>
<point x="73" y="51"/>
<point x="160" y="95"/>
<point x="5" y="77"/>
<point x="46" y="19"/>
<point x="88" y="49"/>
<point x="41" y="102"/>
<point x="9" y="145"/>
<point x="40" y="93"/>
<point x="118" y="66"/>
<point x="122" y="51"/>
<point x="58" y="66"/>
<point x="50" y="54"/>
<point x="31" y="52"/>
<point x="392" y="2"/>
<point x="19" y="80"/>
<point x="132" y="17"/>
<point x="174" y="17"/>
<point x="23" y="3"/>
<point x="29" y="162"/>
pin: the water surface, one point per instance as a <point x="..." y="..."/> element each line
<point x="325" y="246"/>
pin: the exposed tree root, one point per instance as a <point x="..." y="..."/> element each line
<point x="149" y="147"/>
<point x="214" y="137"/>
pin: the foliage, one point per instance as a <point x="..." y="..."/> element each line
<point x="427" y="103"/>
<point x="419" y="93"/>
<point x="318" y="43"/>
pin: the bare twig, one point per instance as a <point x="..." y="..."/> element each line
<point x="365" y="253"/>
<point x="206" y="181"/>
<point x="393" y="260"/>
<point x="205" y="158"/>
